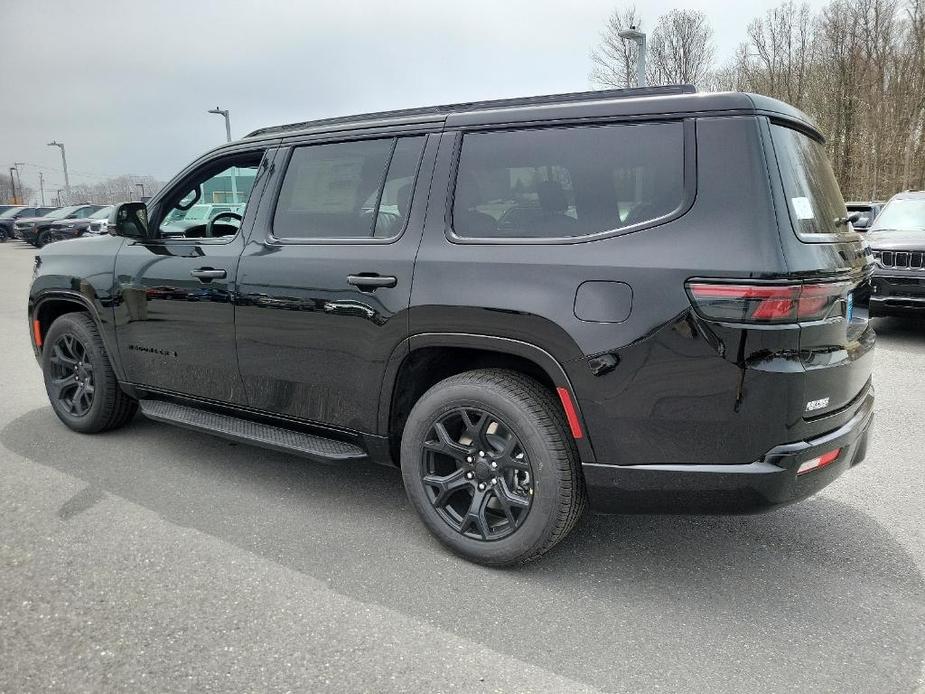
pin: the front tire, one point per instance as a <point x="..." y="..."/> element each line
<point x="81" y="385"/>
<point x="489" y="466"/>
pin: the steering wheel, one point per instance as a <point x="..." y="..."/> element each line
<point x="233" y="215"/>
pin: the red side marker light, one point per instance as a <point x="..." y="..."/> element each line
<point x="570" y="414"/>
<point x="37" y="333"/>
<point x="818" y="462"/>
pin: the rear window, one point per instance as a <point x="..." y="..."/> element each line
<point x="567" y="182"/>
<point x="815" y="201"/>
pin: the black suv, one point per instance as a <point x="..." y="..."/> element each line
<point x="9" y="217"/>
<point x="897" y="239"/>
<point x="640" y="299"/>
<point x="37" y="230"/>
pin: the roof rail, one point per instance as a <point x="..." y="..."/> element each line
<point x="444" y="110"/>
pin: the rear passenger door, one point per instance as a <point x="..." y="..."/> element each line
<point x="325" y="281"/>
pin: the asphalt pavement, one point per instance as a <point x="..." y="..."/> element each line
<point x="158" y="559"/>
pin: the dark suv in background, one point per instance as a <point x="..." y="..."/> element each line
<point x="526" y="304"/>
<point x="897" y="239"/>
<point x="9" y="217"/>
<point x="37" y="230"/>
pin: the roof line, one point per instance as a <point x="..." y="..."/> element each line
<point x="440" y="112"/>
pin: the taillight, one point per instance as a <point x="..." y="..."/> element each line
<point x="818" y="462"/>
<point x="765" y="303"/>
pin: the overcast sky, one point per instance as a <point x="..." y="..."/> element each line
<point x="126" y="85"/>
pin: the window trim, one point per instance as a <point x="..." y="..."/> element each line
<point x="273" y="240"/>
<point x="688" y="182"/>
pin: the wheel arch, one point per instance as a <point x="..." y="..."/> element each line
<point x="425" y="359"/>
<point x="51" y="305"/>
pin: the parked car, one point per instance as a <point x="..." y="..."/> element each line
<point x="897" y="240"/>
<point x="37" y="230"/>
<point x="4" y="208"/>
<point x="9" y="217"/>
<point x="666" y="327"/>
<point x="867" y="212"/>
<point x="72" y="228"/>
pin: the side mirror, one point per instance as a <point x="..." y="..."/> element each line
<point x="129" y="219"/>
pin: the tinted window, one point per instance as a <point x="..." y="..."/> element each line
<point x="395" y="201"/>
<point x="567" y="182"/>
<point x="331" y="191"/>
<point x="816" y="203"/>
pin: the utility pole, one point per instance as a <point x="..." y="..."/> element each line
<point x="42" y="187"/>
<point x="632" y="34"/>
<point x="67" y="181"/>
<point x="13" y="184"/>
<point x="17" y="164"/>
<point x="58" y="199"/>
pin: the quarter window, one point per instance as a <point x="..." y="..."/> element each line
<point x="567" y="182"/>
<point x="347" y="190"/>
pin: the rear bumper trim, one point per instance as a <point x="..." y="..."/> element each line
<point x="747" y="487"/>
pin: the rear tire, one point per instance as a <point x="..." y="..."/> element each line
<point x="81" y="385"/>
<point x="501" y="490"/>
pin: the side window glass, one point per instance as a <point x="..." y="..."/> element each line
<point x="224" y="192"/>
<point x="395" y="200"/>
<point x="332" y="190"/>
<point x="567" y="182"/>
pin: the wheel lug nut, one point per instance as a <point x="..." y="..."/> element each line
<point x="494" y="480"/>
<point x="468" y="458"/>
<point x="493" y="464"/>
<point x="481" y="486"/>
<point x="481" y="454"/>
<point x="469" y="475"/>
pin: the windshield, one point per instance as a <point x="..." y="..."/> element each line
<point x="101" y="214"/>
<point x="816" y="203"/>
<point x="906" y="215"/>
<point x="62" y="213"/>
<point x="10" y="213"/>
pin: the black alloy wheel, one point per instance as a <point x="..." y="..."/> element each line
<point x="476" y="474"/>
<point x="490" y="468"/>
<point x="72" y="383"/>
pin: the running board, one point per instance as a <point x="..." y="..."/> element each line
<point x="264" y="435"/>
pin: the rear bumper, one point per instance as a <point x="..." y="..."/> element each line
<point x="749" y="487"/>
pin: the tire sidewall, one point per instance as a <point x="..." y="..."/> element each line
<point x="92" y="420"/>
<point x="541" y="518"/>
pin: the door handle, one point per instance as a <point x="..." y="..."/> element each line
<point x="207" y="273"/>
<point x="371" y="282"/>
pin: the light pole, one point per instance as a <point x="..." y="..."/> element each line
<point x="234" y="185"/>
<point x="219" y="112"/>
<point x="67" y="181"/>
<point x="632" y="34"/>
<point x="42" y="187"/>
<point x="141" y="187"/>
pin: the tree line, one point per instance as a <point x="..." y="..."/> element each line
<point x="105" y="192"/>
<point x="856" y="67"/>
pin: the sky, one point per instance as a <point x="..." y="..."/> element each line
<point x="126" y="85"/>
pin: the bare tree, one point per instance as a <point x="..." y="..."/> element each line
<point x="681" y="49"/>
<point x="857" y="67"/>
<point x="614" y="59"/>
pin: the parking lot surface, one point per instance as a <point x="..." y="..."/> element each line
<point x="154" y="558"/>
